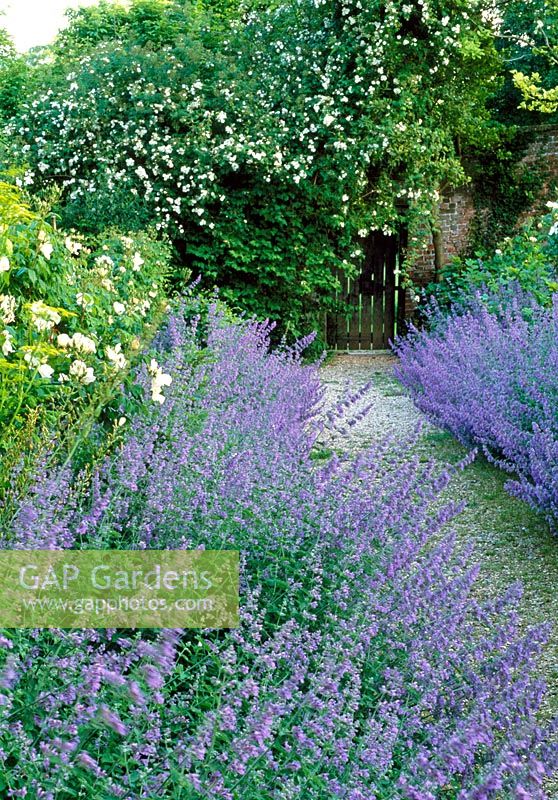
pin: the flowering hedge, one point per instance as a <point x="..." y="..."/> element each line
<point x="488" y="373"/>
<point x="363" y="667"/>
<point x="72" y="312"/>
<point x="268" y="151"/>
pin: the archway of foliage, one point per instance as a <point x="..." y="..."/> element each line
<point x="268" y="146"/>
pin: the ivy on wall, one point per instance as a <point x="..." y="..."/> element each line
<point x="504" y="189"/>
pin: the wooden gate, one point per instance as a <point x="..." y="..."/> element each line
<point x="371" y="306"/>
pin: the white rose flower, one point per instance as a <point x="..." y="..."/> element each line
<point x="159" y="379"/>
<point x="4" y="264"/>
<point x="82" y="372"/>
<point x="64" y="341"/>
<point x="137" y="262"/>
<point x="7" y="346"/>
<point x="83" y="344"/>
<point x="71" y="246"/>
<point x="7" y="308"/>
<point x="119" y="308"/>
<point x="44" y="317"/>
<point x="31" y="359"/>
<point x="116" y="357"/>
<point x="47" y="250"/>
<point x="45" y="371"/>
<point x="328" y="119"/>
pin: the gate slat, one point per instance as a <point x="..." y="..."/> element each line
<point x="401" y="292"/>
<point x="331" y="329"/>
<point x="389" y="312"/>
<point x="354" y="324"/>
<point x="378" y="260"/>
<point x="366" y="322"/>
<point x="366" y="286"/>
<point x="342" y="338"/>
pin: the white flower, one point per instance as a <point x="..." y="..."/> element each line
<point x="83" y="344"/>
<point x="4" y="264"/>
<point x="115" y="355"/>
<point x="159" y="379"/>
<point x="44" y="317"/>
<point x="82" y="372"/>
<point x="7" y="347"/>
<point x="328" y="119"/>
<point x="137" y="262"/>
<point x="31" y="359"/>
<point x="119" y="308"/>
<point x="122" y="421"/>
<point x="154" y="368"/>
<point x="103" y="264"/>
<point x="63" y="378"/>
<point x="64" y="341"/>
<point x="47" y="250"/>
<point x="45" y="371"/>
<point x="73" y="247"/>
<point x="7" y="308"/>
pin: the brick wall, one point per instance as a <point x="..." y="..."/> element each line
<point x="457" y="210"/>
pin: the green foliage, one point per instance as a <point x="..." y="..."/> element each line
<point x="504" y="188"/>
<point x="521" y="40"/>
<point x="530" y="258"/>
<point x="13" y="77"/>
<point x="146" y="23"/>
<point x="267" y="148"/>
<point x="538" y="87"/>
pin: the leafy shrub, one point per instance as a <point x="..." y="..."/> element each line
<point x="362" y="667"/>
<point x="489" y="375"/>
<point x="72" y="313"/>
<point x="530" y="259"/>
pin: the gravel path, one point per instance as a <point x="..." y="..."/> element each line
<point x="512" y="542"/>
<point x="392" y="413"/>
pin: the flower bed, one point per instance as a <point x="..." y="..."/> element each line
<point x="72" y="311"/>
<point x="489" y="374"/>
<point x="362" y="668"/>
